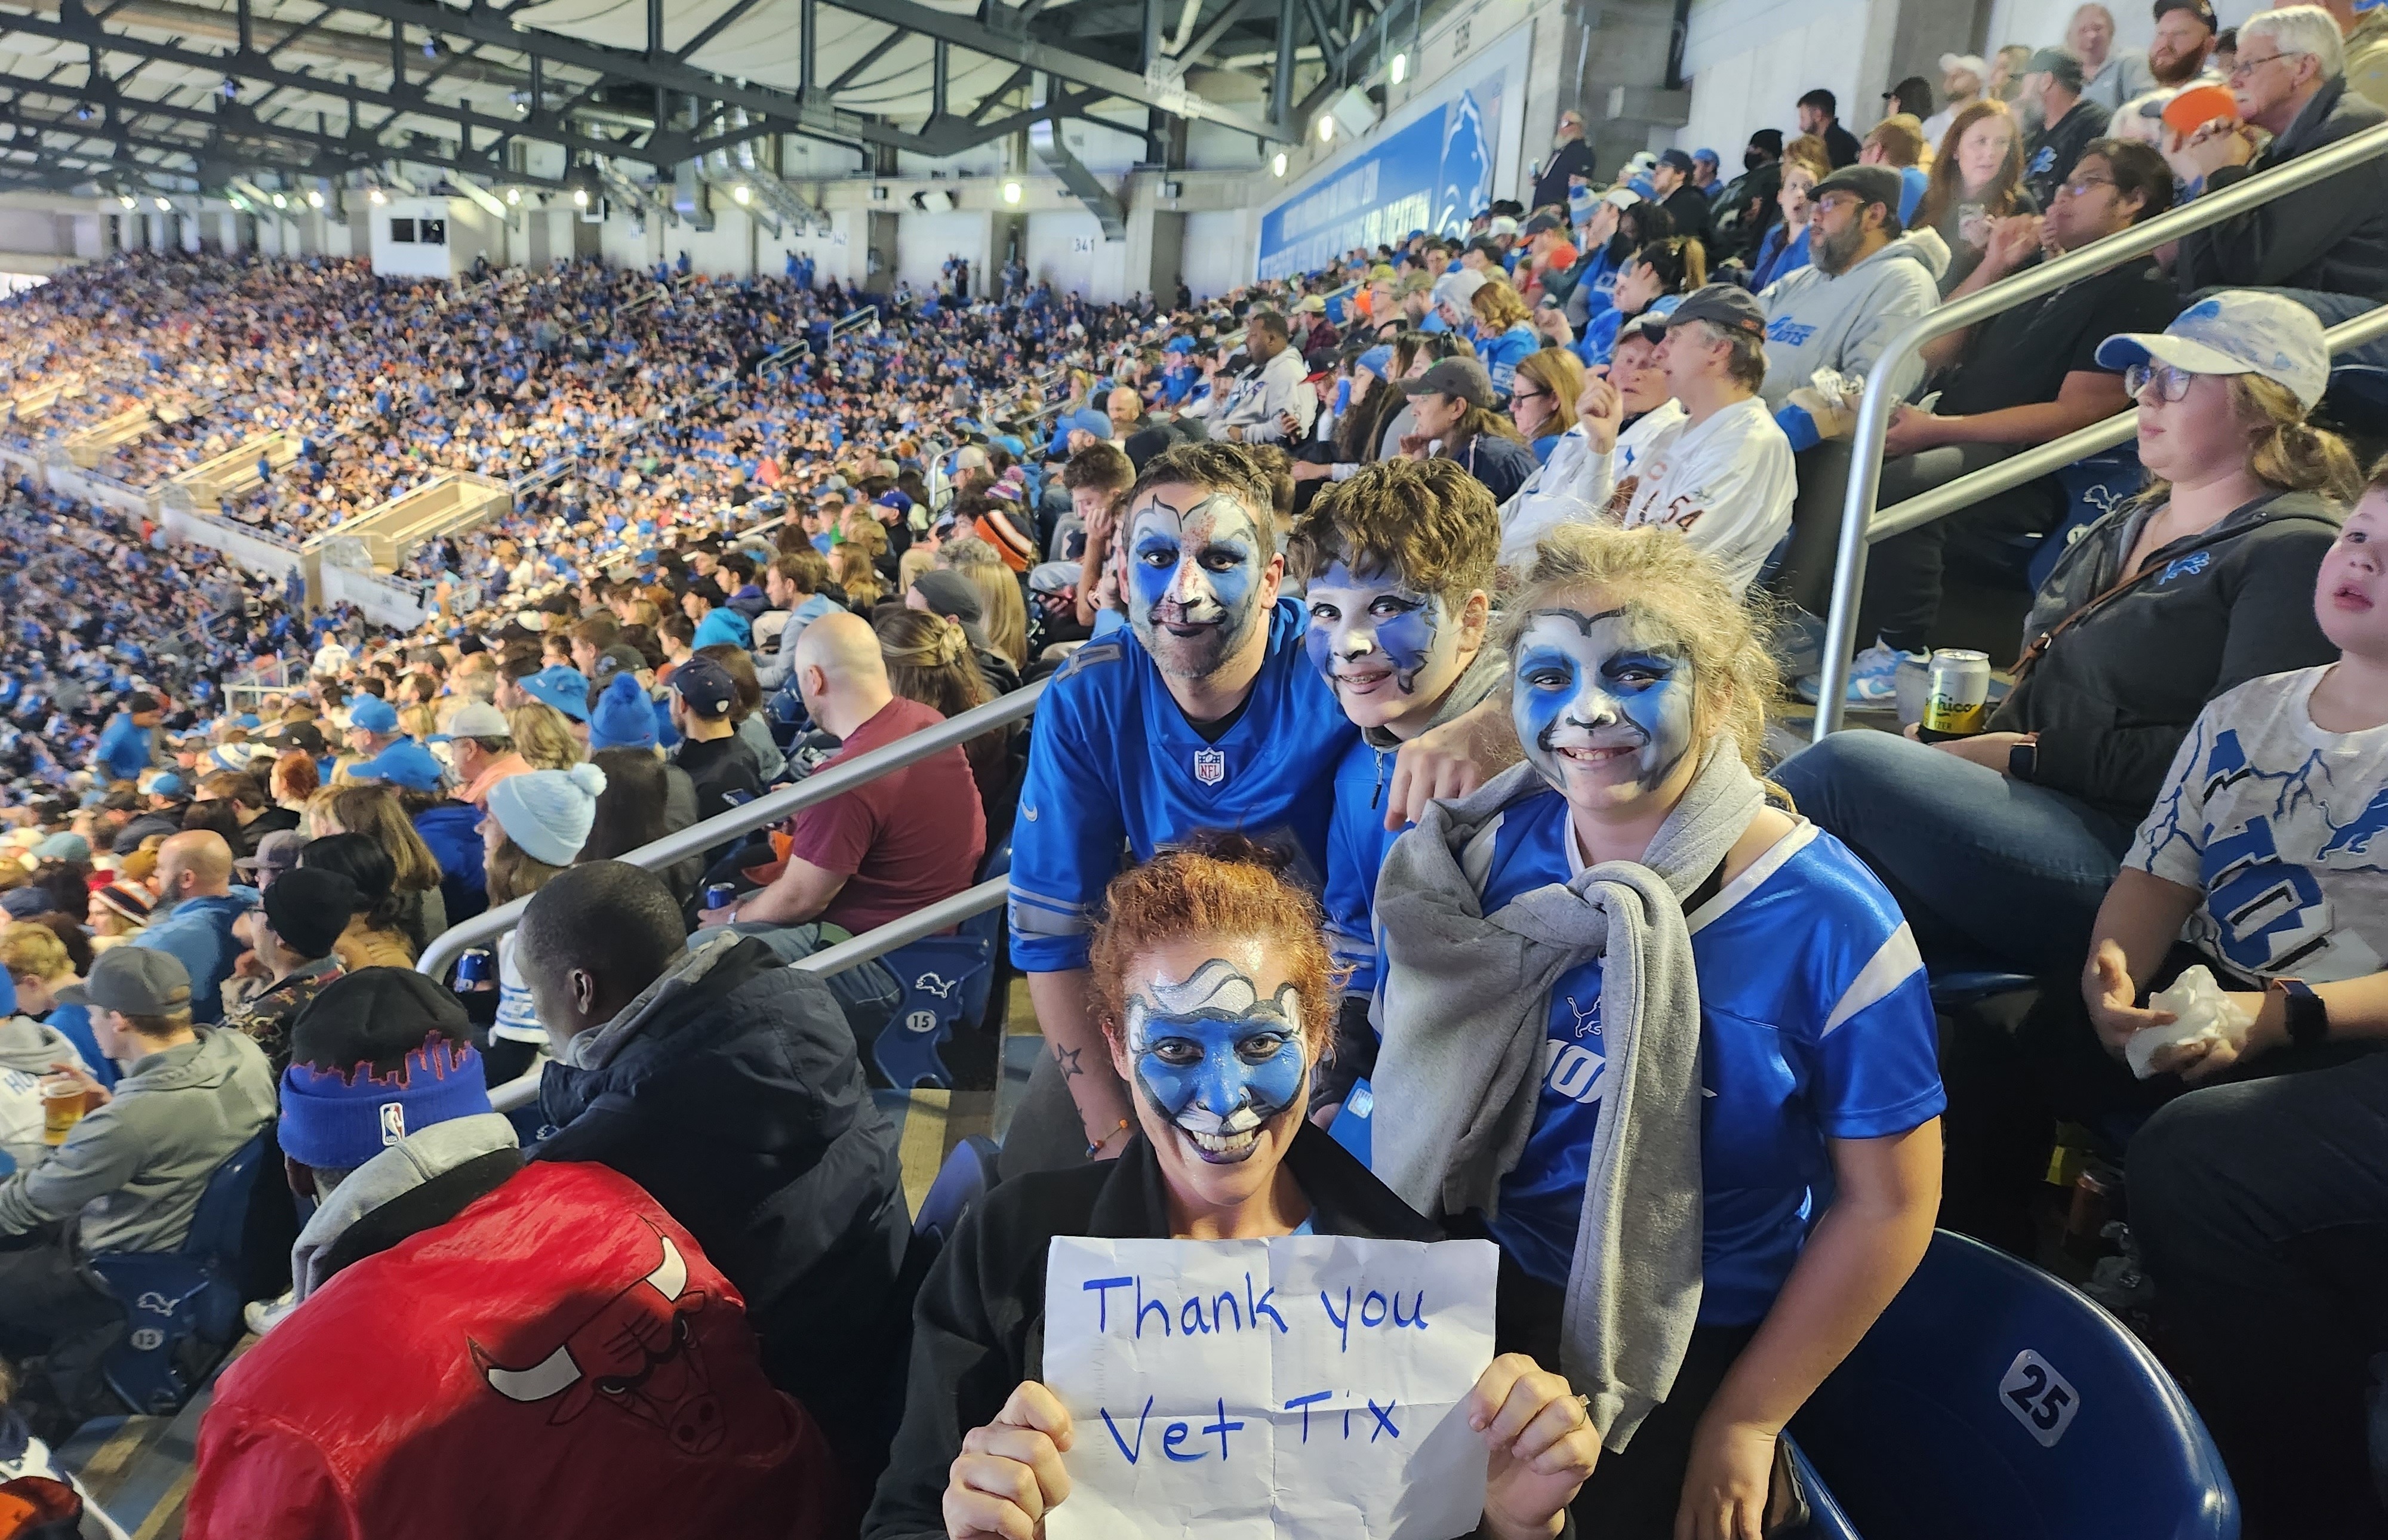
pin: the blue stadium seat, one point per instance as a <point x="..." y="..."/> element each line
<point x="2094" y="488"/>
<point x="947" y="981"/>
<point x="1826" y="1520"/>
<point x="182" y="1307"/>
<point x="1992" y="1402"/>
<point x="967" y="1174"/>
<point x="1963" y="986"/>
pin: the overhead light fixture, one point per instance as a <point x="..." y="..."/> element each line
<point x="315" y="199"/>
<point x="163" y="207"/>
<point x="231" y="89"/>
<point x="742" y="194"/>
<point x="377" y="195"/>
<point x="1012" y="191"/>
<point x="1401" y="69"/>
<point x="514" y="197"/>
<point x="234" y="199"/>
<point x="83" y="113"/>
<point x="281" y="202"/>
<point x="124" y="198"/>
<point x="1276" y="167"/>
<point x="580" y="197"/>
<point x="430" y="47"/>
<point x="1326" y="128"/>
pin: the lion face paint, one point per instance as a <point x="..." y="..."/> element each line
<point x="1197" y="563"/>
<point x="1215" y="1059"/>
<point x="1382" y="644"/>
<point x="1602" y="701"/>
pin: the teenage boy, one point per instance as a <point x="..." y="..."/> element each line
<point x="1206" y="715"/>
<point x="1398" y="562"/>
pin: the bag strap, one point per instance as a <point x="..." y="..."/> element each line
<point x="2041" y="643"/>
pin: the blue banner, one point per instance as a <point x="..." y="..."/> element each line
<point x="1433" y="176"/>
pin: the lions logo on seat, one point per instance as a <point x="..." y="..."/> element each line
<point x="931" y="983"/>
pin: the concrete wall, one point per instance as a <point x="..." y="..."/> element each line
<point x="401" y="258"/>
<point x="1749" y="61"/>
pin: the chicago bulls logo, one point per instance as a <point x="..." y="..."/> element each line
<point x="638" y="1352"/>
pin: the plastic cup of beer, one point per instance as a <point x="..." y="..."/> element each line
<point x="62" y="1108"/>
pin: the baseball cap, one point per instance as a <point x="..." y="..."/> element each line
<point x="1541" y="223"/>
<point x="2236" y="332"/>
<point x="135" y="980"/>
<point x="1707" y="154"/>
<point x="1726" y="305"/>
<point x="560" y="685"/>
<point x="1622" y="197"/>
<point x="2202" y="10"/>
<point x="2056" y="62"/>
<point x="373" y="715"/>
<point x="1465" y="378"/>
<point x="705" y="685"/>
<point x="1311" y="304"/>
<point x="1970" y="63"/>
<point x="478" y="719"/>
<point x="404" y="762"/>
<point x="1457" y="286"/>
<point x="2197" y="105"/>
<point x="309" y="908"/>
<point x="620" y="658"/>
<point x="1680" y="159"/>
<point x="1871" y="184"/>
<point x="277" y="852"/>
<point x="303" y="738"/>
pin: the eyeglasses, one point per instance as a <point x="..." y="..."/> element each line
<point x="2079" y="186"/>
<point x="1517" y="396"/>
<point x="2172" y="385"/>
<point x="2242" y="69"/>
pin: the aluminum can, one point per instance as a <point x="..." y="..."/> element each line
<point x="1957" y="695"/>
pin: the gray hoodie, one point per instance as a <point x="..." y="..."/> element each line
<point x="134" y="1169"/>
<point x="1816" y="321"/>
<point x="28" y="1048"/>
<point x="401" y="1168"/>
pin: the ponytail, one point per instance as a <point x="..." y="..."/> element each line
<point x="2286" y="450"/>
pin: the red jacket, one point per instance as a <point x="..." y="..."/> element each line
<point x="559" y="1359"/>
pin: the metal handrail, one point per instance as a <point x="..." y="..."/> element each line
<point x="943" y="915"/>
<point x="1873" y="406"/>
<point x="813" y="789"/>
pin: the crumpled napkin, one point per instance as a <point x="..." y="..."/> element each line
<point x="2202" y="1014"/>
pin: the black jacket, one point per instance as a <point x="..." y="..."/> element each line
<point x="1572" y="158"/>
<point x="2331" y="235"/>
<point x="979" y="1325"/>
<point x="737" y="1101"/>
<point x="2116" y="693"/>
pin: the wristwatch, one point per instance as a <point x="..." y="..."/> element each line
<point x="2302" y="1011"/>
<point x="2021" y="760"/>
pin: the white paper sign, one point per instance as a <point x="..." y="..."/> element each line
<point x="1245" y="1390"/>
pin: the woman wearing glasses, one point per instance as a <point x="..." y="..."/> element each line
<point x="2000" y="846"/>
<point x="1541" y="398"/>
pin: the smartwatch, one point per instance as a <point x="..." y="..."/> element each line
<point x="2302" y="1011"/>
<point x="2021" y="760"/>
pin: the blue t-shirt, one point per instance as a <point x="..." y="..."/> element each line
<point x="1502" y="355"/>
<point x="1357" y="842"/>
<point x="1816" y="1024"/>
<point x="1114" y="763"/>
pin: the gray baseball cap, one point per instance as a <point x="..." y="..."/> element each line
<point x="134" y="981"/>
<point x="1462" y="377"/>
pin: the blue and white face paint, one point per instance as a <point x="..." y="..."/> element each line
<point x="1379" y="643"/>
<point x="1197" y="564"/>
<point x="1214" y="1058"/>
<point x="1601" y="702"/>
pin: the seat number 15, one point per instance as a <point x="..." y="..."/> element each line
<point x="2042" y="1399"/>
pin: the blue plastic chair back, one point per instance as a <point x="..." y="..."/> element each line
<point x="174" y="1298"/>
<point x="1826" y="1520"/>
<point x="946" y="981"/>
<point x="2093" y="488"/>
<point x="967" y="1174"/>
<point x="1963" y="986"/>
<point x="1355" y="1125"/>
<point x="1993" y="1402"/>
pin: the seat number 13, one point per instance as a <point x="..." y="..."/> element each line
<point x="2042" y="1399"/>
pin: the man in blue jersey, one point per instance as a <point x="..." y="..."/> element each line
<point x="1205" y="715"/>
<point x="1399" y="566"/>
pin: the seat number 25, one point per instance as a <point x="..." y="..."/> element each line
<point x="2042" y="1399"/>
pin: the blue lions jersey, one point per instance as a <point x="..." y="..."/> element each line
<point x="1357" y="843"/>
<point x="1114" y="764"/>
<point x="1816" y="1024"/>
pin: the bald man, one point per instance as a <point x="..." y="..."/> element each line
<point x="878" y="852"/>
<point x="195" y="878"/>
<point x="1125" y="408"/>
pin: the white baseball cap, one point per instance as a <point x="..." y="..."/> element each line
<point x="1970" y="63"/>
<point x="2236" y="332"/>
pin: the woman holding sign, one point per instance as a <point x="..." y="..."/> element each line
<point x="1214" y="987"/>
<point x="1667" y="1043"/>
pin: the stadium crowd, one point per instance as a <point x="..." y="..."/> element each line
<point x="1408" y="637"/>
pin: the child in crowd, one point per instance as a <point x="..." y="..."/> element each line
<point x="1630" y="899"/>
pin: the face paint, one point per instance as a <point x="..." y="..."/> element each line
<point x="1596" y="690"/>
<point x="1196" y="572"/>
<point x="1214" y="1058"/>
<point x="1374" y="637"/>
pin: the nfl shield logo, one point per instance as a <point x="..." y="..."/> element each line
<point x="1210" y="766"/>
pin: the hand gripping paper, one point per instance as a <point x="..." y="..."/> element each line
<point x="1309" y="1386"/>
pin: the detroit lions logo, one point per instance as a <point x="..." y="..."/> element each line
<point x="2356" y="835"/>
<point x="931" y="983"/>
<point x="2187" y="567"/>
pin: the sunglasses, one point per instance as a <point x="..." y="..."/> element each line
<point x="2172" y="385"/>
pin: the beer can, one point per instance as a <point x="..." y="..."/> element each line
<point x="720" y="895"/>
<point x="472" y="970"/>
<point x="1957" y="699"/>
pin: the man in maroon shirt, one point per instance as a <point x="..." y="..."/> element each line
<point x="875" y="854"/>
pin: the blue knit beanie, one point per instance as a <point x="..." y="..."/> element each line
<point x="337" y="1120"/>
<point x="548" y="813"/>
<point x="623" y="717"/>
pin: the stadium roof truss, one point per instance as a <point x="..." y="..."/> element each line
<point x="159" y="97"/>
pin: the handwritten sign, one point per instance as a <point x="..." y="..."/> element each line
<point x="1303" y="1386"/>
